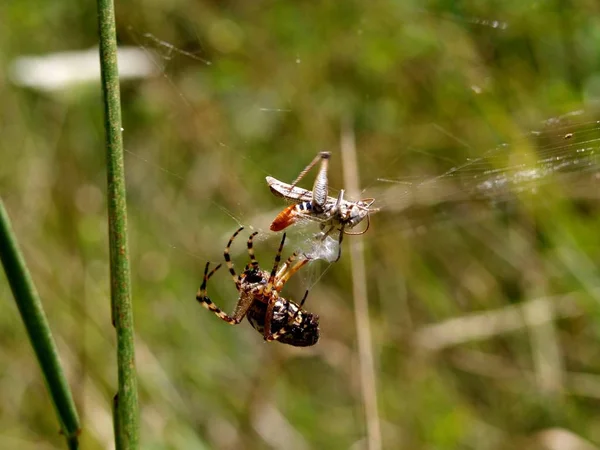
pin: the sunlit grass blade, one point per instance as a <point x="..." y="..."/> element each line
<point x="127" y="408"/>
<point x="35" y="321"/>
<point x="361" y="305"/>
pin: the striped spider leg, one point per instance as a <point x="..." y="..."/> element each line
<point x="333" y="214"/>
<point x="275" y="317"/>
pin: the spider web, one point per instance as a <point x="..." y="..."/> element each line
<point x="166" y="57"/>
<point x="562" y="150"/>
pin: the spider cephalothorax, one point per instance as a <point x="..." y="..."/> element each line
<point x="275" y="317"/>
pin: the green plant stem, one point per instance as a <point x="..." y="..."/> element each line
<point x="127" y="408"/>
<point x="35" y="321"/>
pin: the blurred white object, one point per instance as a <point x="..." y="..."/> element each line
<point x="327" y="249"/>
<point x="64" y="69"/>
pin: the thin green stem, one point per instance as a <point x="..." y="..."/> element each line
<point x="37" y="327"/>
<point x="127" y="407"/>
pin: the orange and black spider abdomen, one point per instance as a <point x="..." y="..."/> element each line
<point x="300" y="328"/>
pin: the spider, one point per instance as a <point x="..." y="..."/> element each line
<point x="275" y="317"/>
<point x="334" y="214"/>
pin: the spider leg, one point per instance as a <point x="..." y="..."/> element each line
<point x="277" y="279"/>
<point x="285" y="276"/>
<point x="243" y="305"/>
<point x="253" y="260"/>
<point x="269" y="316"/>
<point x="303" y="299"/>
<point x="269" y="286"/>
<point x="283" y="330"/>
<point x="202" y="297"/>
<point x="286" y="265"/>
<point x="268" y="291"/>
<point x="236" y="278"/>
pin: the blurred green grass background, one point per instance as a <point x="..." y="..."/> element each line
<point x="485" y="315"/>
